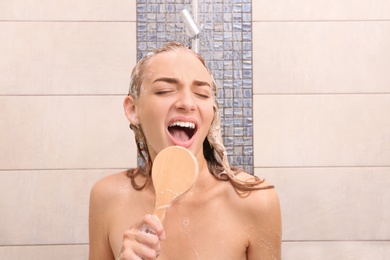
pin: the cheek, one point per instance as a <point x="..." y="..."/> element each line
<point x="208" y="115"/>
<point x="151" y="116"/>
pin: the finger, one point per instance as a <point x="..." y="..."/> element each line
<point x="139" y="245"/>
<point x="151" y="224"/>
<point x="149" y="239"/>
<point x="148" y="230"/>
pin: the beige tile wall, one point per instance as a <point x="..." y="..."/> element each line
<point x="321" y="84"/>
<point x="64" y="72"/>
<point x="322" y="123"/>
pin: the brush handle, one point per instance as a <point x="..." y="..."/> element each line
<point x="160" y="212"/>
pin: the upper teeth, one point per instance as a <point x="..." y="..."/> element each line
<point x="183" y="124"/>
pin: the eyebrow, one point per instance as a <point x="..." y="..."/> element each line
<point x="201" y="83"/>
<point x="168" y="80"/>
<point x="176" y="81"/>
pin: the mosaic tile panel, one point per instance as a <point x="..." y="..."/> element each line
<point x="225" y="41"/>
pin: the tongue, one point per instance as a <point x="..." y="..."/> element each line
<point x="179" y="134"/>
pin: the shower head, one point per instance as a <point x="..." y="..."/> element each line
<point x="192" y="28"/>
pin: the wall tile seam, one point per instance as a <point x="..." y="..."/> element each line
<point x="321" y="21"/>
<point x="67" y="21"/>
<point x="320" y="94"/>
<point x="43" y="245"/>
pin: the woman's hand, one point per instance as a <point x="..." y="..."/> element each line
<point x="142" y="241"/>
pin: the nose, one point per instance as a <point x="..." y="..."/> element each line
<point x="185" y="101"/>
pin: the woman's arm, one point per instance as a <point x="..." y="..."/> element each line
<point x="99" y="246"/>
<point x="266" y="226"/>
<point x="115" y="230"/>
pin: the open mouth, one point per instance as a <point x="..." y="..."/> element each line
<point x="182" y="131"/>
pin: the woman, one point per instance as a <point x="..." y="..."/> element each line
<point x="228" y="214"/>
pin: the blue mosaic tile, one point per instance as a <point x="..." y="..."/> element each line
<point x="238" y="112"/>
<point x="238" y="150"/>
<point x="229" y="141"/>
<point x="150" y="16"/>
<point x="238" y="122"/>
<point x="248" y="143"/>
<point x="247" y="93"/>
<point x="228" y="103"/>
<point x="160" y="18"/>
<point x="247" y="83"/>
<point x="248" y="122"/>
<point x="228" y="64"/>
<point x="237" y="75"/>
<point x="237" y="8"/>
<point x="247" y="8"/>
<point x="247" y="17"/>
<point x="228" y="93"/>
<point x="228" y="112"/>
<point x="247" y="55"/>
<point x="228" y="122"/>
<point x="237" y="102"/>
<point x="237" y="17"/>
<point x="247" y="64"/>
<point x="247" y="102"/>
<point x="227" y="84"/>
<point x="228" y="52"/>
<point x="218" y="8"/>
<point x="249" y="132"/>
<point x="247" y="74"/>
<point x="247" y="36"/>
<point x="247" y="160"/>
<point x="141" y="8"/>
<point x="227" y="17"/>
<point x="247" y="112"/>
<point x="151" y="27"/>
<point x="238" y="93"/>
<point x="247" y="26"/>
<point x="247" y="46"/>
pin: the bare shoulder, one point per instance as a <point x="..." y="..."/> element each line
<point x="261" y="202"/>
<point x="110" y="181"/>
<point x="109" y="186"/>
<point x="262" y="215"/>
<point x="106" y="193"/>
<point x="103" y="199"/>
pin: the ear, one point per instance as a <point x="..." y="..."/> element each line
<point x="130" y="108"/>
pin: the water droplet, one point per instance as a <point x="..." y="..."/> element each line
<point x="186" y="221"/>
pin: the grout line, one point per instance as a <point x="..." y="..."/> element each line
<point x="284" y="241"/>
<point x="319" y="21"/>
<point x="254" y="94"/>
<point x="336" y="240"/>
<point x="314" y="167"/>
<point x="64" y="169"/>
<point x="320" y="94"/>
<point x="66" y="21"/>
<point x="254" y="167"/>
<point x="44" y="245"/>
<point x="59" y="95"/>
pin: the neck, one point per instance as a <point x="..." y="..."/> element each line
<point x="205" y="179"/>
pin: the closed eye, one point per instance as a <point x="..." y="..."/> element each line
<point x="204" y="96"/>
<point x="163" y="92"/>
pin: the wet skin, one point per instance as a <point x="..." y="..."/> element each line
<point x="211" y="221"/>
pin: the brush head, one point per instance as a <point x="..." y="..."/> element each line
<point x="174" y="172"/>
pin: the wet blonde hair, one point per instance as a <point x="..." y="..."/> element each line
<point x="213" y="148"/>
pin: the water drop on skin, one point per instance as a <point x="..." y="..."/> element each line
<point x="186" y="221"/>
